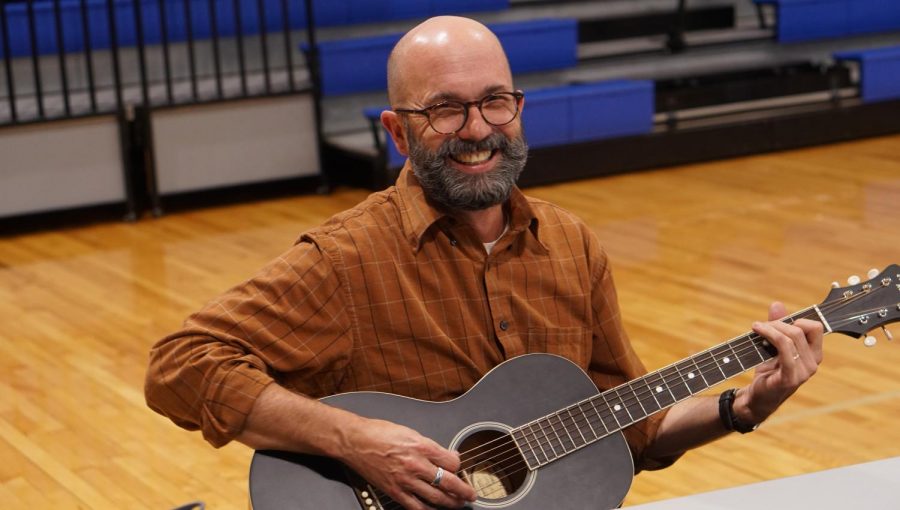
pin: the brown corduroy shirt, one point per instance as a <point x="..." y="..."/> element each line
<point x="396" y="296"/>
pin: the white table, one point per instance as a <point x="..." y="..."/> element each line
<point x="869" y="486"/>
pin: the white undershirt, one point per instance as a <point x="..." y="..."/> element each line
<point x="490" y="246"/>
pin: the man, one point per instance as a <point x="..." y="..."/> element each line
<point x="422" y="288"/>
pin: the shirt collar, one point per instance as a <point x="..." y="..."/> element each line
<point x="419" y="215"/>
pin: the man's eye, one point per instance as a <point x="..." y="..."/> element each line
<point x="445" y="110"/>
<point x="497" y="102"/>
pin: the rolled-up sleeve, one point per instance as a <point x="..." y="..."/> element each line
<point x="289" y="322"/>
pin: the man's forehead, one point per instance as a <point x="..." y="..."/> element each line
<point x="476" y="67"/>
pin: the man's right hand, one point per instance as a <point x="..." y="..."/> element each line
<point x="396" y="459"/>
<point x="403" y="464"/>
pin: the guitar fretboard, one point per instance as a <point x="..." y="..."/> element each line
<point x="551" y="437"/>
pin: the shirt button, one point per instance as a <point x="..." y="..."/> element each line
<point x="504" y="325"/>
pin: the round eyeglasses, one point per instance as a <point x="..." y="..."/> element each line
<point x="450" y="117"/>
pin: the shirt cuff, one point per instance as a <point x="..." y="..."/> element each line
<point x="230" y="399"/>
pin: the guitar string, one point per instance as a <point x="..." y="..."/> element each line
<point x="739" y="349"/>
<point x="511" y="454"/>
<point x="563" y="446"/>
<point x="560" y="415"/>
<point x="545" y="438"/>
<point x="514" y="454"/>
<point x="749" y="339"/>
<point x="702" y="367"/>
<point x="523" y="465"/>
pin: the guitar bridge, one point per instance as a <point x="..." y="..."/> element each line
<point x="369" y="497"/>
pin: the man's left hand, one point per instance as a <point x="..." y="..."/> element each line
<point x="799" y="355"/>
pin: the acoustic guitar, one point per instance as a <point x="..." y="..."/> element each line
<point x="535" y="433"/>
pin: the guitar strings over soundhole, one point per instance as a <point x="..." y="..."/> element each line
<point x="491" y="463"/>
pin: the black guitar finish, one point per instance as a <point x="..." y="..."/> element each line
<point x="518" y="391"/>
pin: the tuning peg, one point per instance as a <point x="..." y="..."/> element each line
<point x="835" y="285"/>
<point x="872" y="273"/>
<point x="853" y="280"/>
<point x="870" y="341"/>
<point x="887" y="334"/>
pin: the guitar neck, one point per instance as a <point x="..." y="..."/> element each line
<point x="553" y="436"/>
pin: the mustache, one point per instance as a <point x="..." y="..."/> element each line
<point x="456" y="146"/>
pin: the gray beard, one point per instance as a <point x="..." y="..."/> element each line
<point x="458" y="191"/>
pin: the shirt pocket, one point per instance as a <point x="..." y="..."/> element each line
<point x="572" y="343"/>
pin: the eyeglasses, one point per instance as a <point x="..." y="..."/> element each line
<point x="450" y="117"/>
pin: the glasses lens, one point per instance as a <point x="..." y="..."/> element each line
<point x="499" y="109"/>
<point x="447" y="117"/>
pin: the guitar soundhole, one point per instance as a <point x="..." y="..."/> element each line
<point x="492" y="464"/>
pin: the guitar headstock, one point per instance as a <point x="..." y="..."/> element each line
<point x="860" y="307"/>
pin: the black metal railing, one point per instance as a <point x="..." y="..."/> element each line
<point x="71" y="58"/>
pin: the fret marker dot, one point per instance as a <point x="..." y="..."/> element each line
<point x="617" y="407"/>
<point x="659" y="389"/>
<point x="726" y="359"/>
<point x="690" y="375"/>
<point x="765" y="342"/>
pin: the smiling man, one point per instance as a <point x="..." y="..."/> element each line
<point x="423" y="288"/>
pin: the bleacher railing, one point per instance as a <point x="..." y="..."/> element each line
<point x="72" y="58"/>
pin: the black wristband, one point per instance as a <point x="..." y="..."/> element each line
<point x="726" y="414"/>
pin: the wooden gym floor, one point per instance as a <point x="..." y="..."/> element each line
<point x="698" y="252"/>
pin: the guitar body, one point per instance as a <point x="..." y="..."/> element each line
<point x="514" y="393"/>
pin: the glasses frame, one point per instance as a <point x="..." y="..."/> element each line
<point x="467" y="105"/>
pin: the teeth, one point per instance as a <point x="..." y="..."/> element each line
<point x="473" y="157"/>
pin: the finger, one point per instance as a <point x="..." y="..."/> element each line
<point x="783" y="344"/>
<point x="450" y="461"/>
<point x="777" y="311"/>
<point x="796" y="336"/>
<point x="814" y="332"/>
<point x="803" y="363"/>
<point x="456" y="487"/>
<point x="442" y="457"/>
<point x="438" y="496"/>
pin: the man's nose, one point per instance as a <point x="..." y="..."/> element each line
<point x="475" y="128"/>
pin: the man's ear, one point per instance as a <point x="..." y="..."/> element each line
<point x="394" y="126"/>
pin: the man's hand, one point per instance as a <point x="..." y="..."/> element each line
<point x="396" y="459"/>
<point x="403" y="463"/>
<point x="799" y="355"/>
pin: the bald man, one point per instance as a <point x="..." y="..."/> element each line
<point x="424" y="287"/>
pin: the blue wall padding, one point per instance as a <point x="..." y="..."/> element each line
<point x="327" y="13"/>
<point x="573" y="114"/>
<point x="539" y="45"/>
<point x="360" y="65"/>
<point x="546" y="117"/>
<point x="805" y="20"/>
<point x="879" y="72"/>
<point x="355" y="65"/>
<point x="610" y="109"/>
<point x="874" y="16"/>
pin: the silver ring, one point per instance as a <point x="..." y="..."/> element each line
<point x="796" y="356"/>
<point x="438" y="477"/>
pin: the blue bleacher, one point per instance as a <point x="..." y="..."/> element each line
<point x="327" y="13"/>
<point x="572" y="114"/>
<point x="350" y="66"/>
<point x="879" y="72"/>
<point x="805" y="20"/>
